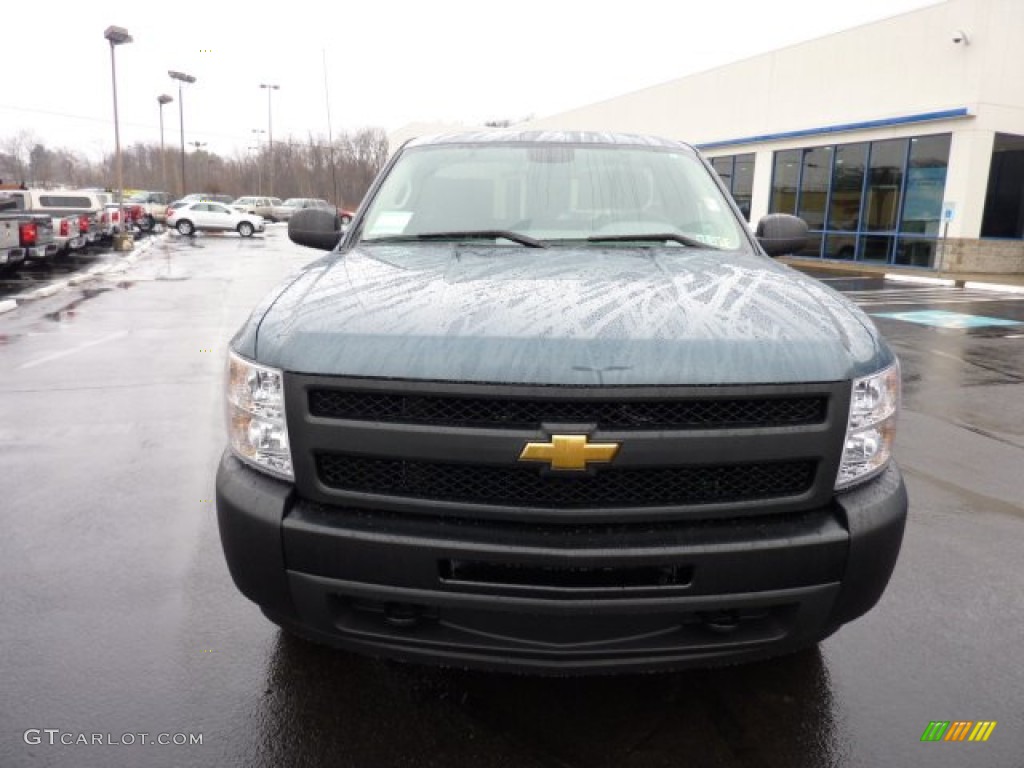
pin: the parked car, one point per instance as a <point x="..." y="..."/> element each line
<point x="214" y="217"/>
<point x="25" y="235"/>
<point x="66" y="207"/>
<point x="259" y="206"/>
<point x="206" y="197"/>
<point x="154" y="208"/>
<point x="346" y="215"/>
<point x="587" y="427"/>
<point x="285" y="211"/>
<point x="67" y="233"/>
<point x="110" y="220"/>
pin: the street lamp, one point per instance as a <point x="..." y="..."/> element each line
<point x="270" y="135"/>
<point x="259" y="171"/>
<point x="259" y="164"/>
<point x="181" y="77"/>
<point x="198" y="146"/>
<point x="161" y="100"/>
<point x="118" y="36"/>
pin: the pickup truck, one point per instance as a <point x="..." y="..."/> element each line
<point x="71" y="210"/>
<point x="549" y="406"/>
<point x="25" y="236"/>
<point x="67" y="233"/>
<point x="153" y="208"/>
<point x="11" y="252"/>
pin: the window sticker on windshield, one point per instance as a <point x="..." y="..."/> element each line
<point x="715" y="240"/>
<point x="391" y="223"/>
<point x="711" y="204"/>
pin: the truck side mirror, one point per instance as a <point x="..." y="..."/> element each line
<point x="780" y="233"/>
<point x="315" y="228"/>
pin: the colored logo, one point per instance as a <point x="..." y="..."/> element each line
<point x="958" y="730"/>
<point x="571" y="452"/>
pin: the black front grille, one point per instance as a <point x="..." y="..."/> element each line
<point x="518" y="486"/>
<point x="707" y="413"/>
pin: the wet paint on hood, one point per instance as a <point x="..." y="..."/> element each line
<point x="570" y="316"/>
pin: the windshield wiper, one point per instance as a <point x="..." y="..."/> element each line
<point x="469" y="234"/>
<point x="655" y="237"/>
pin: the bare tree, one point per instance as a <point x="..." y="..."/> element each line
<point x="310" y="168"/>
<point x="18" y="149"/>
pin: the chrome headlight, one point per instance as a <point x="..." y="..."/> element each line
<point x="871" y="428"/>
<point x="257" y="431"/>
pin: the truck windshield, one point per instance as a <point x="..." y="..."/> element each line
<point x="603" y="195"/>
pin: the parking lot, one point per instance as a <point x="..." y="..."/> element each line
<point x="120" y="617"/>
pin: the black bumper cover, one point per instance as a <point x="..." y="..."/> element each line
<point x="534" y="598"/>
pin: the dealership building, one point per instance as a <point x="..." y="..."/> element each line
<point x="900" y="142"/>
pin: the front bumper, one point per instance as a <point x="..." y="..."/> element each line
<point x="550" y="599"/>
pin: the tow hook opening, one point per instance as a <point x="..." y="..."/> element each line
<point x="722" y="622"/>
<point x="396" y="614"/>
<point x="402" y="615"/>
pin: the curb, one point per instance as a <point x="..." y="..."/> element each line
<point x="974" y="284"/>
<point x="7" y="305"/>
<point x="994" y="287"/>
<point x="46" y="290"/>
<point x="900" y="278"/>
<point x="96" y="270"/>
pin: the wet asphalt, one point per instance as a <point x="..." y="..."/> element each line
<point x="118" y="617"/>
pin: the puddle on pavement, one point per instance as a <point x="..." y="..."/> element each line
<point x="68" y="312"/>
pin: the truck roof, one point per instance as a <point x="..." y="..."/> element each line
<point x="547" y="137"/>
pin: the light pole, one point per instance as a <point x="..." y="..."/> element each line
<point x="259" y="163"/>
<point x="118" y="36"/>
<point x="270" y="135"/>
<point x="259" y="171"/>
<point x="199" y="145"/>
<point x="181" y="77"/>
<point x="161" y="100"/>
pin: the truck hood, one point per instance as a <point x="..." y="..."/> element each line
<point x="571" y="316"/>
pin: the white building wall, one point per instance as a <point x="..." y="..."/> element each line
<point x="906" y="65"/>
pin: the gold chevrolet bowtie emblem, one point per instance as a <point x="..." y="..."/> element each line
<point x="569" y="452"/>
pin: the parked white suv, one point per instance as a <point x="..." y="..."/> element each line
<point x="192" y="217"/>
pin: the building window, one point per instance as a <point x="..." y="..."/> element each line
<point x="737" y="173"/>
<point x="816" y="167"/>
<point x="926" y="183"/>
<point x="875" y="201"/>
<point x="785" y="181"/>
<point x="1004" y="202"/>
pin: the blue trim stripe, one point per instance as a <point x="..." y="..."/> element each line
<point x="945" y="114"/>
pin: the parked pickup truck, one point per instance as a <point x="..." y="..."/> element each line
<point x="25" y="236"/>
<point x="67" y="207"/>
<point x="153" y="208"/>
<point x="11" y="252"/>
<point x="67" y="233"/>
<point x="548" y="405"/>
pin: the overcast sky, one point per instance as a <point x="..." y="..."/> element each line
<point x="388" y="63"/>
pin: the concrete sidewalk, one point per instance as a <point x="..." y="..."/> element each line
<point x="958" y="279"/>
